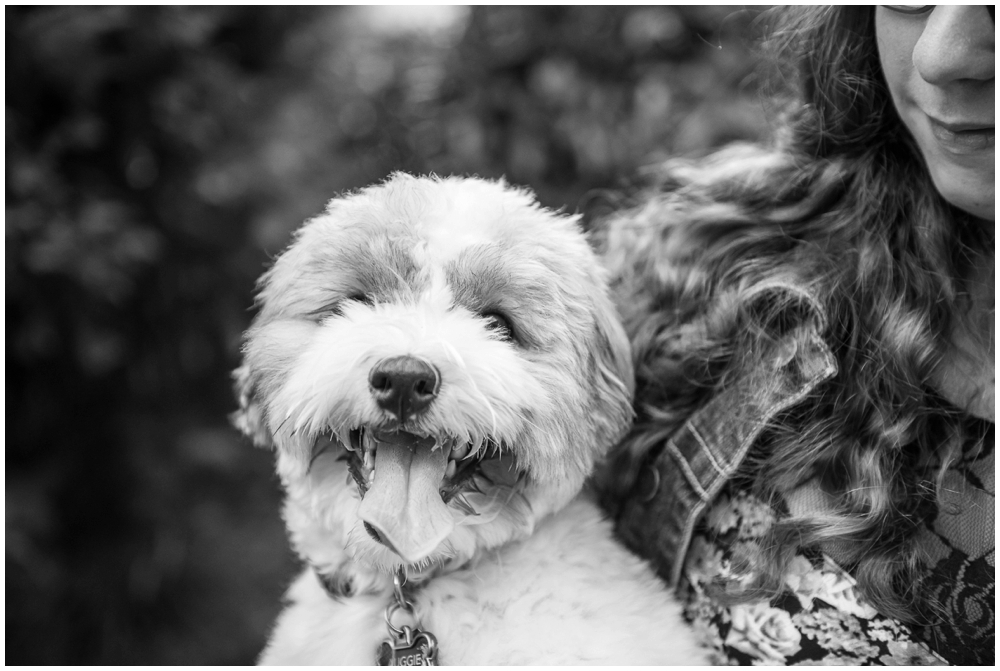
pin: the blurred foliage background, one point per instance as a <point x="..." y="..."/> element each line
<point x="158" y="157"/>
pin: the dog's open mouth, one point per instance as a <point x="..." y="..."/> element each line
<point x="407" y="482"/>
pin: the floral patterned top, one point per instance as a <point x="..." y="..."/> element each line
<point x="958" y="544"/>
<point x="820" y="618"/>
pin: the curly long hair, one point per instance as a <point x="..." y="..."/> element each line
<point x="841" y="204"/>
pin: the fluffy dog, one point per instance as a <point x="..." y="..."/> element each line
<point x="438" y="366"/>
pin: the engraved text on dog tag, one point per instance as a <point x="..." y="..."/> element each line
<point x="420" y="650"/>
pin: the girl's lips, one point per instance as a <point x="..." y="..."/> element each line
<point x="963" y="138"/>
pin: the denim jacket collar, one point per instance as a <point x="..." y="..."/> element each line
<point x="683" y="477"/>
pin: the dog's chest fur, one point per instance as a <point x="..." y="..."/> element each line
<point x="567" y="594"/>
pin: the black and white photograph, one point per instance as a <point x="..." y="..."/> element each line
<point x="500" y="335"/>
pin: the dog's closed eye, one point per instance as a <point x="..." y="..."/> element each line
<point x="359" y="297"/>
<point x="336" y="307"/>
<point x="499" y="325"/>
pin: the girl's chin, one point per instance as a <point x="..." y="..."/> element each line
<point x="970" y="189"/>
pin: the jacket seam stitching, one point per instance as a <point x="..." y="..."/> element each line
<point x="677" y="570"/>
<point x="686" y="468"/>
<point x="704" y="445"/>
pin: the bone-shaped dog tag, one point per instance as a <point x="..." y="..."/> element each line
<point x="416" y="648"/>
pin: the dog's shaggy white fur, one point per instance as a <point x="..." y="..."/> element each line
<point x="438" y="366"/>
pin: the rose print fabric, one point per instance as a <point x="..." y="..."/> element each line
<point x="818" y="620"/>
<point x="958" y="542"/>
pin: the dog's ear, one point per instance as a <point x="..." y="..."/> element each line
<point x="615" y="347"/>
<point x="615" y="374"/>
<point x="249" y="419"/>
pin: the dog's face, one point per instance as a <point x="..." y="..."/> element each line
<point x="438" y="365"/>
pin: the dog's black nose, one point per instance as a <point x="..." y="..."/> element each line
<point x="404" y="385"/>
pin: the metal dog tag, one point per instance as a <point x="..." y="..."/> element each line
<point x="414" y="648"/>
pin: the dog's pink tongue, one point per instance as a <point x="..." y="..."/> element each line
<point x="404" y="503"/>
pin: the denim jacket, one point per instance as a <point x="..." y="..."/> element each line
<point x="681" y="479"/>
